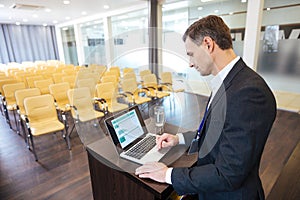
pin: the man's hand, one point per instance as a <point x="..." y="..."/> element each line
<point x="166" y="140"/>
<point x="153" y="170"/>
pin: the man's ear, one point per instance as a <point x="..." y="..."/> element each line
<point x="208" y="42"/>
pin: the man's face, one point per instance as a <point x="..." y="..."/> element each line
<point x="199" y="56"/>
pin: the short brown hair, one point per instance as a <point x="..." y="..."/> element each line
<point x="213" y="27"/>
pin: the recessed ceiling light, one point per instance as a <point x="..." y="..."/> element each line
<point x="48" y="10"/>
<point x="55" y="21"/>
<point x="25" y="20"/>
<point x="216" y="11"/>
<point x="231" y="13"/>
<point x="106" y="6"/>
<point x="44" y="24"/>
<point x="10" y="17"/>
<point x="268" y="8"/>
<point x="1" y="5"/>
<point x="200" y="8"/>
<point x="83" y="13"/>
<point x="35" y="15"/>
<point x="67" y="18"/>
<point x="18" y="23"/>
<point x="65" y="28"/>
<point x="66" y="2"/>
<point x="243" y="1"/>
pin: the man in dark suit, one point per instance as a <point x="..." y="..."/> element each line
<point x="231" y="138"/>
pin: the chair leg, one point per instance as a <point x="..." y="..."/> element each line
<point x="67" y="138"/>
<point x="23" y="130"/>
<point x="32" y="144"/>
<point x="14" y="112"/>
<point x="6" y="115"/>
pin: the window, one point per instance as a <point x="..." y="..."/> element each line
<point x="69" y="45"/>
<point x="93" y="42"/>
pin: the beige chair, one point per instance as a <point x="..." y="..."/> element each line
<point x="30" y="80"/>
<point x="150" y="82"/>
<point x="41" y="118"/>
<point x="70" y="79"/>
<point x="20" y="95"/>
<point x="133" y="93"/>
<point x="167" y="83"/>
<point x="107" y="92"/>
<point x="127" y="70"/>
<point x="43" y="85"/>
<point x="81" y="103"/>
<point x="3" y="82"/>
<point x="9" y="100"/>
<point x="89" y="83"/>
<point x="110" y="79"/>
<point x="144" y="73"/>
<point x="59" y="93"/>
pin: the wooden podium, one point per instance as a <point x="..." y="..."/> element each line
<point x="113" y="177"/>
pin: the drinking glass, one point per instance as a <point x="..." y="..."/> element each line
<point x="159" y="117"/>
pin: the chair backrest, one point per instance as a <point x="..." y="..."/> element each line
<point x="70" y="79"/>
<point x="59" y="92"/>
<point x="110" y="79"/>
<point x="129" y="85"/>
<point x="116" y="70"/>
<point x="9" y="92"/>
<point x="144" y="72"/>
<point x="106" y="91"/>
<point x="40" y="108"/>
<point x="150" y="80"/>
<point x="4" y="82"/>
<point x="166" y="77"/>
<point x="20" y="95"/>
<point x="30" y="80"/>
<point x="129" y="75"/>
<point x="112" y="73"/>
<point x="57" y="77"/>
<point x="127" y="70"/>
<point x="43" y="85"/>
<point x="82" y="100"/>
<point x="88" y="82"/>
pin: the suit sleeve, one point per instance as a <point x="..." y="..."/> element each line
<point x="249" y="116"/>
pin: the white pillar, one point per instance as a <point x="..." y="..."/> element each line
<point x="59" y="44"/>
<point x="109" y="54"/>
<point x="79" y="45"/>
<point x="252" y="32"/>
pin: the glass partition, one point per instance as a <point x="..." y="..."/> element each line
<point x="92" y="34"/>
<point x="178" y="16"/>
<point x="69" y="45"/>
<point x="130" y="40"/>
<point x="279" y="51"/>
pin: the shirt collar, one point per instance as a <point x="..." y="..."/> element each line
<point x="217" y="80"/>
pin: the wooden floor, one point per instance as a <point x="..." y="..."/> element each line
<point x="63" y="174"/>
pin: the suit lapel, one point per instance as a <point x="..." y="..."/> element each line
<point x="215" y="101"/>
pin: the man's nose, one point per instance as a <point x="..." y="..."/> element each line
<point x="191" y="65"/>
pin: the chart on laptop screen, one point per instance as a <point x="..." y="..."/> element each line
<point x="127" y="127"/>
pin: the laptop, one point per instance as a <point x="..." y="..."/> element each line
<point x="131" y="138"/>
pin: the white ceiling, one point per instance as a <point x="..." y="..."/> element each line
<point x="59" y="12"/>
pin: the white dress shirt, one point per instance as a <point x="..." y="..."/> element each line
<point x="214" y="84"/>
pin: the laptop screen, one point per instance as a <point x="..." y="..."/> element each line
<point x="127" y="128"/>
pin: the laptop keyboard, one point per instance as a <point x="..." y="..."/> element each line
<point x="143" y="147"/>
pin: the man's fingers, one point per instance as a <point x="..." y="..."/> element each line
<point x="149" y="167"/>
<point x="146" y="175"/>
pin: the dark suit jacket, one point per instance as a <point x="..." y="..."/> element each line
<point x="236" y="128"/>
